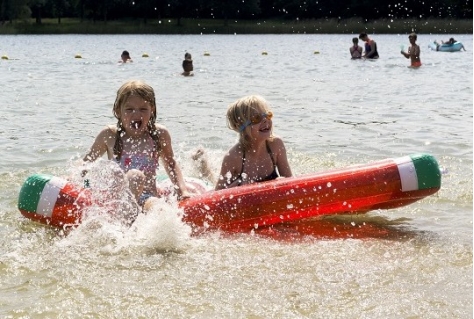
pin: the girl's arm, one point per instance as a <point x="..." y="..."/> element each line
<point x="100" y="145"/>
<point x="171" y="166"/>
<point x="282" y="160"/>
<point x="228" y="171"/>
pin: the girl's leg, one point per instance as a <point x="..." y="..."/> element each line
<point x="136" y="182"/>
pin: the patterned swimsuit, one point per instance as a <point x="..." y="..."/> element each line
<point x="145" y="162"/>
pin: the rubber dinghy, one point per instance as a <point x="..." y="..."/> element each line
<point x="444" y="47"/>
<point x="385" y="184"/>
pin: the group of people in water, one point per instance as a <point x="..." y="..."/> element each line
<point x="413" y="52"/>
<point x="137" y="143"/>
<point x="370" y="50"/>
<point x="187" y="62"/>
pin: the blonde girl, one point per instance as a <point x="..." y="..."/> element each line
<point x="137" y="142"/>
<point x="259" y="155"/>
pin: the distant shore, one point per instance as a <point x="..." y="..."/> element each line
<point x="213" y="26"/>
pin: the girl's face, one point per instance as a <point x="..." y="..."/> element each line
<point x="135" y="114"/>
<point x="261" y="127"/>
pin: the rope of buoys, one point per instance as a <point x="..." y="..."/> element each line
<point x="264" y="53"/>
<point x="316" y="52"/>
<point x="145" y="55"/>
<point x="4" y="57"/>
<point x="78" y="56"/>
<point x="206" y="53"/>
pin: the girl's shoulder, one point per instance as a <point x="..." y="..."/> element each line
<point x="161" y="130"/>
<point x="275" y="140"/>
<point x="235" y="150"/>
<point x="276" y="144"/>
<point x="112" y="128"/>
<point x="108" y="131"/>
<point x="160" y="127"/>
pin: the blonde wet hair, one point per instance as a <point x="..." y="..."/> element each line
<point x="240" y="112"/>
<point x="146" y="92"/>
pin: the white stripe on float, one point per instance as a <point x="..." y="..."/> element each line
<point x="407" y="172"/>
<point x="49" y="196"/>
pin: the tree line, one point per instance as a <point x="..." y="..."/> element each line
<point x="105" y="10"/>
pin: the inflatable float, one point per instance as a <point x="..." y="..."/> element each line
<point x="456" y="46"/>
<point x="385" y="184"/>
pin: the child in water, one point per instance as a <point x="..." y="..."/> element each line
<point x="413" y="52"/>
<point x="136" y="143"/>
<point x="125" y="57"/>
<point x="355" y="49"/>
<point x="259" y="155"/>
<point x="187" y="65"/>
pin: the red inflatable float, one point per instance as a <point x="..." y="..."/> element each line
<point x="384" y="184"/>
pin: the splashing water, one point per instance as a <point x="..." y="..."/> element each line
<point x="115" y="222"/>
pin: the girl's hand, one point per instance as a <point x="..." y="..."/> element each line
<point x="184" y="195"/>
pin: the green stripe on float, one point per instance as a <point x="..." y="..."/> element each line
<point x="427" y="171"/>
<point x="49" y="196"/>
<point x="30" y="192"/>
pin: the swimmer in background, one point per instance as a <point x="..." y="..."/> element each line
<point x="370" y="47"/>
<point x="188" y="65"/>
<point x="451" y="41"/>
<point x="355" y="49"/>
<point x="413" y="51"/>
<point x="125" y="57"/>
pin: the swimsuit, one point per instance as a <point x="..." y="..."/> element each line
<point x="144" y="162"/>
<point x="355" y="52"/>
<point x="273" y="175"/>
<point x="368" y="48"/>
<point x="416" y="64"/>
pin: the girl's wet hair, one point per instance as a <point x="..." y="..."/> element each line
<point x="241" y="111"/>
<point x="146" y="92"/>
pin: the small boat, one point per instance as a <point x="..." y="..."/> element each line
<point x="384" y="184"/>
<point x="445" y="47"/>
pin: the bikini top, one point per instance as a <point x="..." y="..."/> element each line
<point x="273" y="175"/>
<point x="145" y="162"/>
<point x="356" y="51"/>
<point x="357" y="48"/>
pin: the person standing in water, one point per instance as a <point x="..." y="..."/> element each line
<point x="187" y="65"/>
<point x="370" y="47"/>
<point x="355" y="49"/>
<point x="413" y="51"/>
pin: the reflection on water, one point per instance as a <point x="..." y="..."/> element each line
<point x="343" y="227"/>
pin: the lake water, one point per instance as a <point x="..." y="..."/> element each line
<point x="331" y="112"/>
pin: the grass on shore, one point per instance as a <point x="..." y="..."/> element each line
<point x="213" y="26"/>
